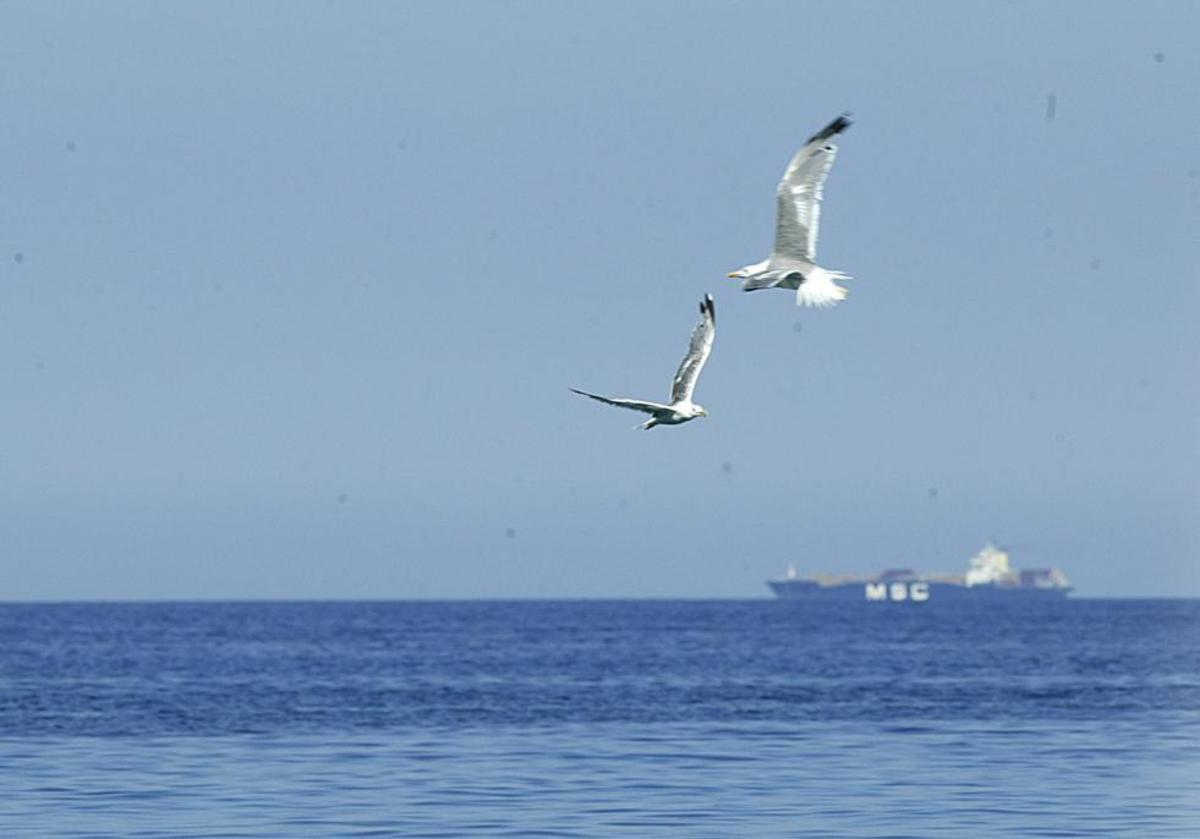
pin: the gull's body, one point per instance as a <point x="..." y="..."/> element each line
<point x="792" y="263"/>
<point x="681" y="407"/>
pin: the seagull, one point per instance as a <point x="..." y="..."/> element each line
<point x="682" y="408"/>
<point x="798" y="213"/>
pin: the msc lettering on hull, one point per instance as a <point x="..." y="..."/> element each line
<point x="916" y="592"/>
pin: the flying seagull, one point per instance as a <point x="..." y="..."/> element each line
<point x="798" y="213"/>
<point x="682" y="408"/>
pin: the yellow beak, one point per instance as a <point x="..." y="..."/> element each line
<point x="733" y="276"/>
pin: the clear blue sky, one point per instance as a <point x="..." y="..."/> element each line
<point x="291" y="295"/>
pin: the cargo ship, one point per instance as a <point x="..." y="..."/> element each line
<point x="989" y="576"/>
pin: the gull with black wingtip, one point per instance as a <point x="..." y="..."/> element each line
<point x="681" y="408"/>
<point x="798" y="197"/>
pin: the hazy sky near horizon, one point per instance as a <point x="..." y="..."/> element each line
<point x="291" y="295"/>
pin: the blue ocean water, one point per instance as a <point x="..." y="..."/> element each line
<point x="600" y="718"/>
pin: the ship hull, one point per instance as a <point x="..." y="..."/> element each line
<point x="917" y="592"/>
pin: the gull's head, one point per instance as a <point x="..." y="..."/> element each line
<point x="739" y="274"/>
<point x="700" y="410"/>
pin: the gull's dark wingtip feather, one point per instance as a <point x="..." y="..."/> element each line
<point x="840" y="124"/>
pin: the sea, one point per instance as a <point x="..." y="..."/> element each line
<point x="589" y="718"/>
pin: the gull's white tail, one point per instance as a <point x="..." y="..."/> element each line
<point x="819" y="288"/>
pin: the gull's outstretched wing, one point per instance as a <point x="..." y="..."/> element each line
<point x="632" y="404"/>
<point x="698" y="352"/>
<point x="798" y="196"/>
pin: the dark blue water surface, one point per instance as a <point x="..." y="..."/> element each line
<point x="601" y="718"/>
